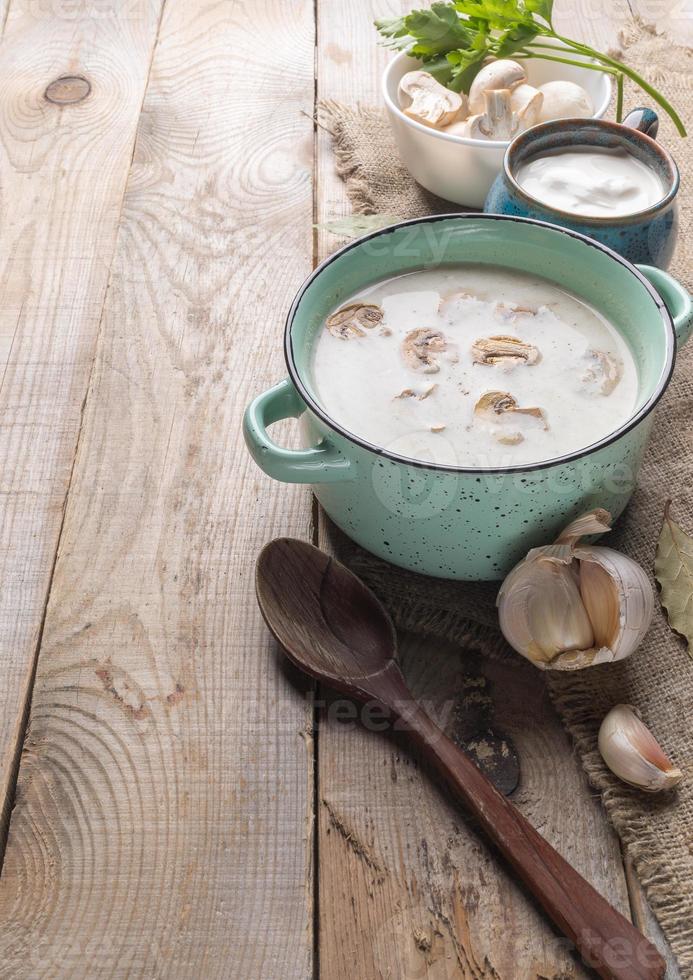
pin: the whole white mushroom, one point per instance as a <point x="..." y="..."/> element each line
<point x="564" y="100"/>
<point x="500" y="74"/>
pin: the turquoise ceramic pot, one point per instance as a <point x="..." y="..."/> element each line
<point x="648" y="236"/>
<point x="456" y="521"/>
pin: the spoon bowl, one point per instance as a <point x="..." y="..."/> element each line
<point x="329" y="623"/>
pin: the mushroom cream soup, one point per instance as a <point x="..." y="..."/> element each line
<point x="473" y="366"/>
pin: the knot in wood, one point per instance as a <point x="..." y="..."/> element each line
<point x="67" y="90"/>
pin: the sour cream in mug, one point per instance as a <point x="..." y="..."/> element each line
<point x="593" y="183"/>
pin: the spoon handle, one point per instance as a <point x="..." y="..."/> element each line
<point x="606" y="940"/>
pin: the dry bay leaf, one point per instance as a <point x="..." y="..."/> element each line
<point x="355" y="225"/>
<point x="674" y="572"/>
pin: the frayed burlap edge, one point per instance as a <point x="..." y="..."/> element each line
<point x="332" y="116"/>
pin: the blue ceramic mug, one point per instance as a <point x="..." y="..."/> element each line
<point x="646" y="236"/>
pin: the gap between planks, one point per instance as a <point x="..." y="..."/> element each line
<point x="315" y="533"/>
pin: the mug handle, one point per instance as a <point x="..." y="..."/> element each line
<point x="323" y="464"/>
<point x="678" y="301"/>
<point x="644" y="120"/>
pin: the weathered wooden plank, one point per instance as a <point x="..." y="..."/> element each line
<point x="63" y="168"/>
<point x="349" y="64"/>
<point x="164" y="805"/>
<point x="645" y="920"/>
<point x="406" y="887"/>
<point x="594" y="23"/>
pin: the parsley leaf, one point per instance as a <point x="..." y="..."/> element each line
<point x="499" y="14"/>
<point x="466" y="65"/>
<point x="514" y="39"/>
<point x="541" y="7"/>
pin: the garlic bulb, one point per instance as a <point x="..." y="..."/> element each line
<point x="568" y="606"/>
<point x="632" y="753"/>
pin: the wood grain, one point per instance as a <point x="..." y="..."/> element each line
<point x="163" y="819"/>
<point x="428" y="899"/>
<point x="63" y="170"/>
<point x="434" y="901"/>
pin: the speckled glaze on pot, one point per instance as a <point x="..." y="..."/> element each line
<point x="456" y="521"/>
<point x="647" y="236"/>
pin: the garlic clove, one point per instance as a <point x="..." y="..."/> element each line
<point x="632" y="753"/>
<point x="540" y="612"/>
<point x="600" y="598"/>
<point x="618" y="598"/>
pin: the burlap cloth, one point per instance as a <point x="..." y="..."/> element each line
<point x="658" y="679"/>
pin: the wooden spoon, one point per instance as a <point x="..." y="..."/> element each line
<point x="333" y="628"/>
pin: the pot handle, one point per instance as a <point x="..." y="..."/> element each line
<point x="323" y="464"/>
<point x="677" y="299"/>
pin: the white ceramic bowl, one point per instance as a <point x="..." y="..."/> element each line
<point x="455" y="167"/>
